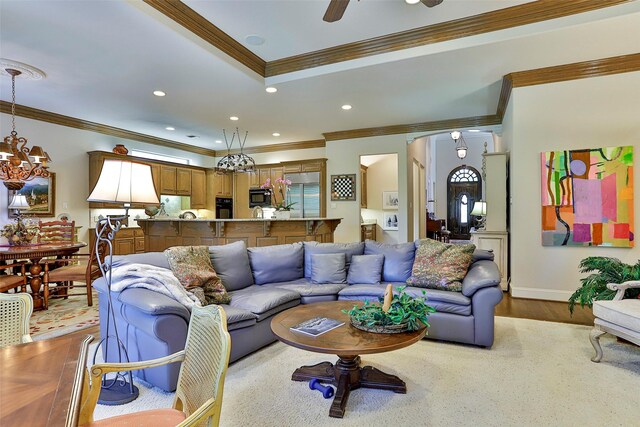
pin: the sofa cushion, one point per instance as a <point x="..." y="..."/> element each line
<point x="238" y="318"/>
<point x="306" y="288"/>
<point x="441" y="265"/>
<point x="264" y="301"/>
<point x="328" y="268"/>
<point x="398" y="259"/>
<point x="365" y="269"/>
<point x="442" y="301"/>
<point x="349" y="249"/>
<point x="231" y="262"/>
<point x="159" y="259"/>
<point x="192" y="267"/>
<point x="625" y="313"/>
<point x="279" y="263"/>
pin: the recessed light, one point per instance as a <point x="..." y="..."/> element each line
<point x="474" y="130"/>
<point x="275" y="134"/>
<point x="159" y="93"/>
<point x="346" y="107"/>
<point x="170" y="128"/>
<point x="254" y="40"/>
<point x="412" y="1"/>
<point x="271" y="89"/>
<point x="218" y="141"/>
<point x="234" y="118"/>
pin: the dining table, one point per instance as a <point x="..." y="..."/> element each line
<point x="34" y="253"/>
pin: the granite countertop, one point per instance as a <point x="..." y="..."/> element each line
<point x="235" y="219"/>
<point x="368" y="222"/>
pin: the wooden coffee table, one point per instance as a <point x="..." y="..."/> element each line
<point x="348" y="343"/>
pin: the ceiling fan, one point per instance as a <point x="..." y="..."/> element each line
<point x="337" y="7"/>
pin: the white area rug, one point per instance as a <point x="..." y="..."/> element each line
<point x="537" y="373"/>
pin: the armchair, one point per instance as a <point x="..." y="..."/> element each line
<point x="15" y="311"/>
<point x="198" y="397"/>
<point x="619" y="317"/>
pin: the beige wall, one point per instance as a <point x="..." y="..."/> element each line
<point x="382" y="175"/>
<point x="587" y="113"/>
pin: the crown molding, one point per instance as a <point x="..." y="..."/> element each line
<point x="561" y="73"/>
<point x="287" y="146"/>
<point x="72" y="122"/>
<point x="198" y="25"/>
<point x="514" y="16"/>
<point x="414" y="127"/>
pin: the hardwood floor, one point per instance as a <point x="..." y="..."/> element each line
<point x="552" y="311"/>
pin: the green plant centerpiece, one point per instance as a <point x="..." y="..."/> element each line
<point x="403" y="313"/>
<point x="603" y="270"/>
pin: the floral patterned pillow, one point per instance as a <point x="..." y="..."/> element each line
<point x="440" y="265"/>
<point x="192" y="266"/>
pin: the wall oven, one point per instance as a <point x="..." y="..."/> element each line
<point x="259" y="197"/>
<point x="224" y="208"/>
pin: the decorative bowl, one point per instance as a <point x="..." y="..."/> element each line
<point x="380" y="329"/>
<point x="151" y="211"/>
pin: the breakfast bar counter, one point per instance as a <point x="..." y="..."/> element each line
<point x="162" y="233"/>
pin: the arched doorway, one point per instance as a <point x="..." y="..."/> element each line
<point x="464" y="187"/>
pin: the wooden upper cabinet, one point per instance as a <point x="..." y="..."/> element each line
<point x="276" y="173"/>
<point x="183" y="181"/>
<point x="263" y="174"/>
<point x="222" y="185"/>
<point x="292" y="168"/>
<point x="168" y="179"/>
<point x="198" y="189"/>
<point x="363" y="186"/>
<point x="254" y="179"/>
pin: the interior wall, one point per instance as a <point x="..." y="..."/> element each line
<point x="382" y="175"/>
<point x="417" y="209"/>
<point x="446" y="160"/>
<point x="344" y="158"/>
<point x="68" y="149"/>
<point x="588" y="113"/>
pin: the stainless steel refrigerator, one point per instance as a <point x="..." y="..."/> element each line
<point x="304" y="191"/>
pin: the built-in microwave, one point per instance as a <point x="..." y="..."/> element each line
<point x="259" y="197"/>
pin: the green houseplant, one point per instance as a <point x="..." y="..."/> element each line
<point x="603" y="270"/>
<point x="405" y="313"/>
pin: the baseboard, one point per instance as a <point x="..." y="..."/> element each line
<point x="537" y="293"/>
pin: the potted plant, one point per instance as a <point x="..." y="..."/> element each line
<point x="603" y="270"/>
<point x="20" y="232"/>
<point x="396" y="313"/>
<point x="279" y="187"/>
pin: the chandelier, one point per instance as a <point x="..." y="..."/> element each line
<point x="238" y="162"/>
<point x="461" y="145"/>
<point x="19" y="163"/>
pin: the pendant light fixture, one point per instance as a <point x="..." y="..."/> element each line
<point x="461" y="145"/>
<point x="237" y="162"/>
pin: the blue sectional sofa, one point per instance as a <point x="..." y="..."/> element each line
<point x="265" y="281"/>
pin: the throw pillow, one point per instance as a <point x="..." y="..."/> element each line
<point x="441" y="265"/>
<point x="349" y="249"/>
<point x="231" y="262"/>
<point x="328" y="268"/>
<point x="398" y="259"/>
<point x="277" y="263"/>
<point x="365" y="269"/>
<point x="192" y="267"/>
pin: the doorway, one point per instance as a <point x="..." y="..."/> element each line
<point x="464" y="187"/>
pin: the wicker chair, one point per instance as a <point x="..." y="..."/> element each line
<point x="12" y="281"/>
<point x="15" y="311"/>
<point x="198" y="398"/>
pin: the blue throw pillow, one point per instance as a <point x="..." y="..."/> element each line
<point x="398" y="259"/>
<point x="328" y="268"/>
<point x="349" y="249"/>
<point x="278" y="263"/>
<point x="365" y="269"/>
<point x="231" y="262"/>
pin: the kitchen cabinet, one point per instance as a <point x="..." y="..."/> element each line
<point x="183" y="182"/>
<point x="263" y="175"/>
<point x="223" y="185"/>
<point x="126" y="241"/>
<point x="167" y="179"/>
<point x="277" y="172"/>
<point x="198" y="189"/>
<point x="363" y="186"/>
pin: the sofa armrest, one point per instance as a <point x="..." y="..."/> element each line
<point x="152" y="303"/>
<point x="481" y="274"/>
<point x="622" y="287"/>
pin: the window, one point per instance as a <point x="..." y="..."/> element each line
<point x="162" y="157"/>
<point x="464" y="209"/>
<point x="464" y="175"/>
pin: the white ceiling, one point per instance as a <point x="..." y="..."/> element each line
<point x="104" y="58"/>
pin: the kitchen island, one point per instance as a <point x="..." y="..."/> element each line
<point x="162" y="233"/>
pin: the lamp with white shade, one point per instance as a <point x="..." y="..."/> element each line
<point x="19" y="202"/>
<point x="123" y="182"/>
<point x="480" y="210"/>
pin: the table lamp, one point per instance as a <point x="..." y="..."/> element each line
<point x="123" y="182"/>
<point x="480" y="210"/>
<point x="19" y="202"/>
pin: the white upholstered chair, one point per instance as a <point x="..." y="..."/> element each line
<point x="619" y="317"/>
<point x="15" y="311"/>
<point x="198" y="397"/>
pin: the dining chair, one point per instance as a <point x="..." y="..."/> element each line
<point x="15" y="311"/>
<point x="198" y="398"/>
<point x="12" y="281"/>
<point x="56" y="231"/>
<point x="65" y="272"/>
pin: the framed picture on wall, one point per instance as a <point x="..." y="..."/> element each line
<point x="390" y="221"/>
<point x="343" y="187"/>
<point x="40" y="194"/>
<point x="390" y="200"/>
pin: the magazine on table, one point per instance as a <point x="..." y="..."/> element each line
<point x="317" y="326"/>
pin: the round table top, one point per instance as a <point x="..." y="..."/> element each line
<point x="344" y="340"/>
<point x="38" y="250"/>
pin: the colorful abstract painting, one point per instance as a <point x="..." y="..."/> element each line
<point x="587" y="197"/>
